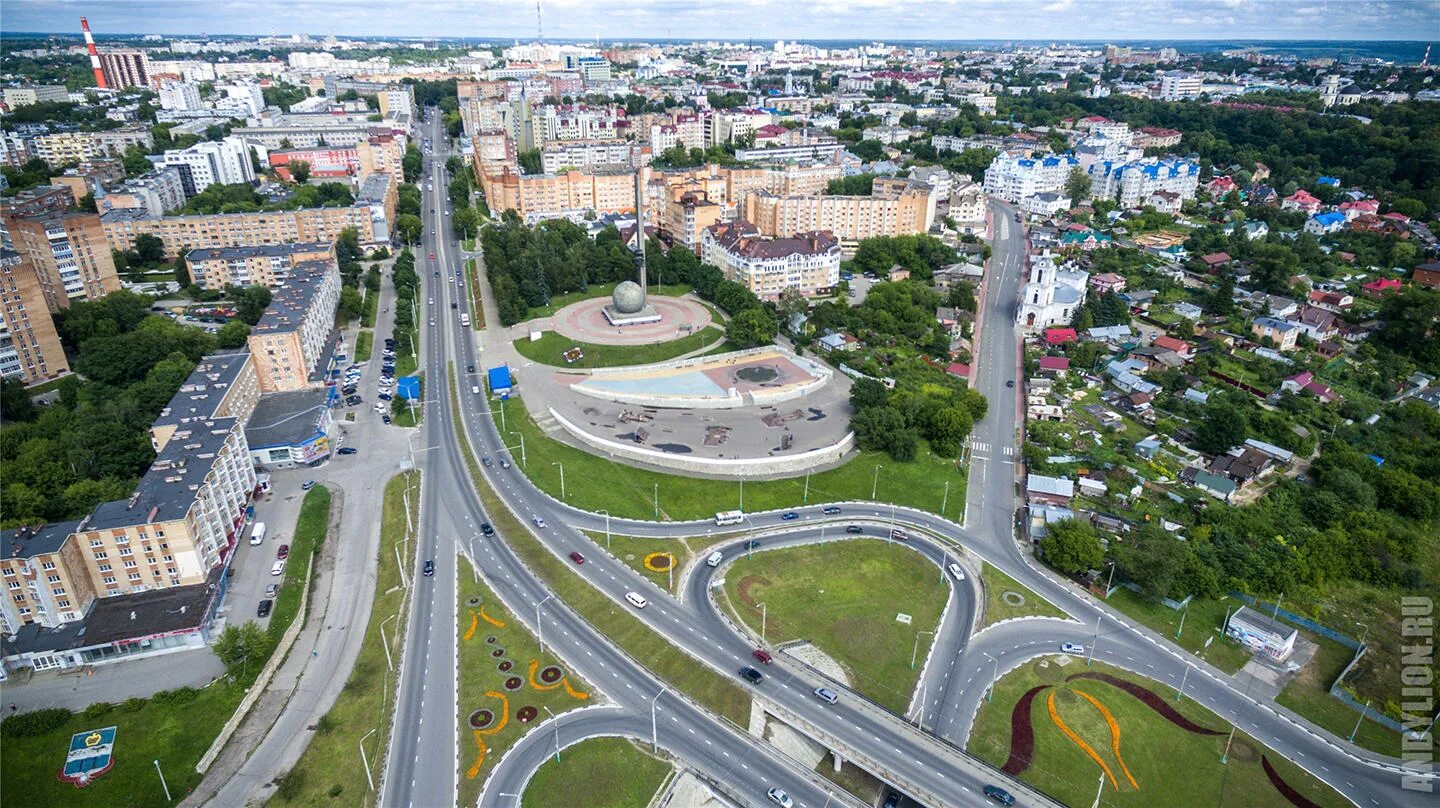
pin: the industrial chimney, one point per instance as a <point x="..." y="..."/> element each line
<point x="94" y="54"/>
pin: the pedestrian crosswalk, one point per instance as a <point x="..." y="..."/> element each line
<point x="982" y="449"/>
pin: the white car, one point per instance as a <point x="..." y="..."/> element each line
<point x="956" y="571"/>
<point x="278" y="568"/>
<point x="780" y="798"/>
<point x="636" y="600"/>
<point x="1072" y="648"/>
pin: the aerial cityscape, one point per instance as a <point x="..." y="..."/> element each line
<point x="900" y="377"/>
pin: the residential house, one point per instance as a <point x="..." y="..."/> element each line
<point x="1360" y="207"/>
<point x="1216" y="485"/>
<point x="1114" y="334"/>
<point x="1318" y="323"/>
<point x="1301" y="200"/>
<point x="1164" y="201"/>
<point x="1306" y="382"/>
<point x="1156" y="358"/>
<point x="1427" y="275"/>
<point x="1242" y="465"/>
<point x="1086" y="240"/>
<point x="1183" y="349"/>
<point x="1214" y="261"/>
<point x="1338" y="300"/>
<point x="1107" y="282"/>
<point x="1060" y="336"/>
<point x="1054" y="365"/>
<point x="1281" y="332"/>
<point x="1220" y="186"/>
<point x="959" y="370"/>
<point x="1323" y="223"/>
<point x="1188" y="310"/>
<point x="1048" y="490"/>
<point x="839" y="342"/>
<point x="1380" y="287"/>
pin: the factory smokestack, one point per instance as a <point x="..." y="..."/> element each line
<point x="94" y="54"/>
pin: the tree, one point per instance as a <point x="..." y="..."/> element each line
<point x="751" y="328"/>
<point x="1077" y="187"/>
<point x="409" y="227"/>
<point x="15" y="404"/>
<point x="299" y="171"/>
<point x="1072" y="546"/>
<point x="250" y="302"/>
<point x="149" y="250"/>
<point x="233" y="334"/>
<point x="529" y="160"/>
<point x="242" y="649"/>
<point x="466" y="221"/>
<point x="1223" y="427"/>
<point x="883" y="429"/>
<point x="867" y="392"/>
<point x="412" y="165"/>
<point x="947" y="428"/>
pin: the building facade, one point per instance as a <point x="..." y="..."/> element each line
<point x="125" y="69"/>
<point x="69" y="253"/>
<point x="224" y="162"/>
<point x="1013" y="178"/>
<point x="30" y="348"/>
<point x="894" y="208"/>
<point x="290" y="340"/>
<point x="266" y="265"/>
<point x="805" y="262"/>
<point x="306" y="225"/>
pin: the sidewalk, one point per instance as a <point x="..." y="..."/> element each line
<point x="113" y="682"/>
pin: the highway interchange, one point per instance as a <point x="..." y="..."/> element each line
<point x="426" y="754"/>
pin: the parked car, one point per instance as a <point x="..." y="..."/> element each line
<point x="763" y="656"/>
<point x="1072" y="648"/>
<point x="278" y="568"/>
<point x="854" y="529"/>
<point x="827" y="695"/>
<point x="349" y="450"/>
<point x="272" y="590"/>
<point x="830" y="510"/>
<point x="429" y="568"/>
<point x="789" y="516"/>
<point x="263" y="610"/>
<point x="486" y="529"/>
<point x="999" y="794"/>
<point x="577" y="558"/>
<point x="282" y="552"/>
<point x="432" y="256"/>
<point x="751" y="675"/>
<point x="385" y="397"/>
<point x="636" y="600"/>
<point x="1009" y="382"/>
<point x="780" y="798"/>
<point x="307" y="485"/>
<point x="385" y="418"/>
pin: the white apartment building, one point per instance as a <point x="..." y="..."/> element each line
<point x="806" y="262"/>
<point x="583" y="153"/>
<point x="226" y="162"/>
<point x="725" y="127"/>
<point x="1132" y="182"/>
<point x="1013" y="178"/>
<point x="64" y="148"/>
<point x="1177" y="85"/>
<point x="179" y="96"/>
<point x="156" y="192"/>
<point x="244" y="95"/>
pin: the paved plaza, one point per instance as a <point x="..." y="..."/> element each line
<point x="585" y="322"/>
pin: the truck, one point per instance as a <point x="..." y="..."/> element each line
<point x="729" y="517"/>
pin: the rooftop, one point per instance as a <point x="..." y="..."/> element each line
<point x="34" y="540"/>
<point x="167" y="491"/>
<point x="123" y="617"/>
<point x="285" y="419"/>
<point x="271" y="250"/>
<point x="290" y="303"/>
<point x="204" y="389"/>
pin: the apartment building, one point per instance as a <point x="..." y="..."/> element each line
<point x="125" y="68"/>
<point x="381" y="153"/>
<point x="38" y="201"/>
<point x="819" y="149"/>
<point x="267" y="265"/>
<point x="308" y="135"/>
<point x="14" y="150"/>
<point x="1133" y="182"/>
<point x="895" y="207"/>
<point x="688" y="217"/>
<point x="1013" y="178"/>
<point x="83" y="178"/>
<point x="290" y="340"/>
<point x="30" y="348"/>
<point x="115" y="142"/>
<point x="397" y="100"/>
<point x="68" y="252"/>
<point x="64" y="148"/>
<point x="156" y="192"/>
<point x="585" y="153"/>
<point x="180" y="96"/>
<point x="1178" y="85"/>
<point x="730" y="125"/>
<point x="47" y="579"/>
<point x="604" y="189"/>
<point x="36" y="94"/>
<point x="806" y="262"/>
<point x="238" y="229"/>
<point x="224" y="162"/>
<point x="325" y="161"/>
<point x="220" y="386"/>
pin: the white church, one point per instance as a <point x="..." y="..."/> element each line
<point x="1053" y="294"/>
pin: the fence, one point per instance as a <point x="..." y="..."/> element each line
<point x="1303" y="622"/>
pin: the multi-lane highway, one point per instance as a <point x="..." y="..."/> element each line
<point x="422" y="763"/>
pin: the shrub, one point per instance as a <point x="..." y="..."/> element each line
<point x="288" y="785"/>
<point x="180" y="695"/>
<point x="97" y="710"/>
<point x="325" y="724"/>
<point x="134" y="705"/>
<point x="336" y="789"/>
<point x="37" y="722"/>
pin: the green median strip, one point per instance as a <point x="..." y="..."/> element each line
<point x="1006" y="599"/>
<point x="364" y="344"/>
<point x="310" y="528"/>
<point x="614" y="770"/>
<point x="678" y="669"/>
<point x="551" y="348"/>
<point x="331" y="771"/>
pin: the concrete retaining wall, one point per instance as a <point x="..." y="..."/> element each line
<point x="724" y="466"/>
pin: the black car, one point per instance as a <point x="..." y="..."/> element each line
<point x="349" y="450"/>
<point x="390" y="343"/>
<point x="486" y="529"/>
<point x="830" y="510"/>
<point x="469" y="368"/>
<point x="751" y="675"/>
<point x="263" y="609"/>
<point x="385" y="418"/>
<point x="429" y="567"/>
<point x="854" y="529"/>
<point x="999" y="795"/>
<point x="1010" y="383"/>
<point x="753" y="544"/>
<point x="353" y="400"/>
<point x="486" y="461"/>
<point x="454" y="305"/>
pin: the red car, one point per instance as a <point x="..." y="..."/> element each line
<point x="577" y="558"/>
<point x="432" y="256"/>
<point x="283" y="552"/>
<point x="762" y="655"/>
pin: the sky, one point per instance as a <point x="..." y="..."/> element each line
<point x="894" y="20"/>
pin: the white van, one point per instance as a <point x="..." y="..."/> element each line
<point x="714" y="559"/>
<point x="257" y="536"/>
<point x="475" y="389"/>
<point x="636" y="600"/>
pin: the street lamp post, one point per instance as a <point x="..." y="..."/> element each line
<point x="742" y="496"/>
<point x="562" y="479"/>
<point x="539" y="627"/>
<point x="163" y="784"/>
<point x="804" y="500"/>
<point x="657" y="500"/>
<point x="945" y="499"/>
<point x="764" y="614"/>
<point x="1180" y="694"/>
<point x="875" y="481"/>
<point x="556" y="722"/>
<point x="365" y="761"/>
<point x="1110" y="580"/>
<point x="1182" y="622"/>
<point x="654" y="725"/>
<point x="1364" y="633"/>
<point x="386" y="643"/>
<point x="1359" y="720"/>
<point x="994" y="678"/>
<point x="1090" y="657"/>
<point x="607" y="528"/>
<point x="915" y="652"/>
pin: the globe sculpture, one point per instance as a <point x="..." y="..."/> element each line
<point x="628" y="298"/>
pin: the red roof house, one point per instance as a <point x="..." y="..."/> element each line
<point x="1057" y="365"/>
<point x="1214" y="260"/>
<point x="1184" y="349"/>
<point x="1060" y="336"/>
<point x="1380" y="287"/>
<point x="959" y="369"/>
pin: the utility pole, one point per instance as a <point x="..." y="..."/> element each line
<point x="875" y="481"/>
<point x="1358" y="721"/>
<point x="1090" y="657"/>
<point x="556" y="722"/>
<point x="364" y="761"/>
<point x="1110" y="580"/>
<point x="654" y="726"/>
<point x="805" y="500"/>
<point x="657" y="501"/>
<point x="945" y="499"/>
<point x="562" y="479"/>
<point x="163" y="784"/>
<point x="994" y="678"/>
<point x="1182" y="622"/>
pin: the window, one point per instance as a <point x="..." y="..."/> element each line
<point x="47" y="565"/>
<point x="54" y="579"/>
<point x="64" y="604"/>
<point x="101" y="555"/>
<point x="134" y="576"/>
<point x="126" y="551"/>
<point x="104" y="567"/>
<point x="24" y="611"/>
<point x="168" y="559"/>
<point x="59" y="590"/>
<point x="13" y="584"/>
<point x="109" y="579"/>
<point x="96" y="543"/>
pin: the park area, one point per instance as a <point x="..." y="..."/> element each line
<point x="845" y="598"/>
<point x="556" y="349"/>
<point x="615" y="772"/>
<point x="1060" y="726"/>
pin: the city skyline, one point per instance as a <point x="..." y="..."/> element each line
<point x="917" y="20"/>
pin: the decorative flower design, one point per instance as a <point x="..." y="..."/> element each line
<point x="659" y="562"/>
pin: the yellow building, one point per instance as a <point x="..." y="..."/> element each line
<point x="289" y="342"/>
<point x="601" y="189"/>
<point x="69" y="253"/>
<point x="238" y="229"/>
<point x="64" y="148"/>
<point x="890" y="210"/>
<point x="29" y="346"/>
<point x="264" y="265"/>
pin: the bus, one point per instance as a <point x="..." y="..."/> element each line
<point x="729" y="517"/>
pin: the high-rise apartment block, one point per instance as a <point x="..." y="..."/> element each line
<point x="240" y="229"/>
<point x="69" y="253"/>
<point x="36" y="94"/>
<point x="895" y="207"/>
<point x="125" y="69"/>
<point x="264" y="265"/>
<point x="179" y="95"/>
<point x="29" y="346"/>
<point x="225" y="162"/>
<point x="156" y="192"/>
<point x="291" y="338"/>
<point x="1014" y="178"/>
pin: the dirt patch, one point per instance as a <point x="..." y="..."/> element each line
<point x="747" y="582"/>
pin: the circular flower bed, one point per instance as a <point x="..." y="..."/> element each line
<point x="1013" y="598"/>
<point x="514" y="683"/>
<point x="480" y="719"/>
<point x="659" y="562"/>
<point x="505" y="665"/>
<point x="474" y="600"/>
<point x="550" y="674"/>
<point x="497" y="653"/>
<point x="526" y="714"/>
<point x="491" y="640"/>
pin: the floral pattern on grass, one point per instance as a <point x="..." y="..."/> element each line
<point x="1022" y="733"/>
<point x="1296" y="798"/>
<point x="1149" y="699"/>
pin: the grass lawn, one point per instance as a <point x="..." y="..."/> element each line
<point x="549" y="348"/>
<point x="370" y="306"/>
<point x="844" y="598"/>
<point x="997" y="608"/>
<point x="468" y="244"/>
<point x="175" y="729"/>
<point x="1171" y="766"/>
<point x="325" y="774"/>
<point x="406" y="362"/>
<point x="633" y="550"/>
<point x="405" y="415"/>
<point x="45" y="387"/>
<point x="717" y="693"/>
<point x="1204" y="623"/>
<point x="559" y="302"/>
<point x="615" y="771"/>
<point x="484" y="627"/>
<point x="594" y="482"/>
<point x="477" y="306"/>
<point x="309" y="533"/>
<point x="364" y="344"/>
<point x="853" y="779"/>
<point x="1308" y="694"/>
